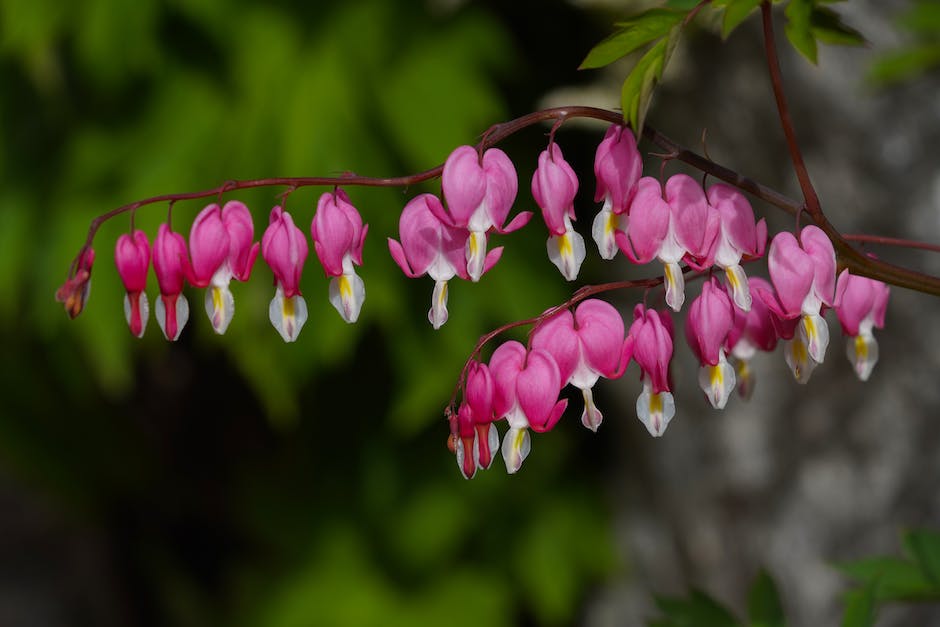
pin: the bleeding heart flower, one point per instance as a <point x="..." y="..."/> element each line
<point x="285" y="249"/>
<point x="739" y="236"/>
<point x="526" y="395"/>
<point x="803" y="276"/>
<point x="171" y="265"/>
<point x="221" y="249"/>
<point x="710" y="320"/>
<point x="554" y="186"/>
<point x="652" y="350"/>
<point x="430" y="246"/>
<point x="617" y="166"/>
<point x="586" y="346"/>
<point x="132" y="258"/>
<point x="861" y="304"/>
<point x="338" y="237"/>
<point x="479" y="194"/>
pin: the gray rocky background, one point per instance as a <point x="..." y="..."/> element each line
<point x="800" y="477"/>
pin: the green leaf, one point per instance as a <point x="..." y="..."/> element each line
<point x="699" y="610"/>
<point x="683" y="5"/>
<point x="633" y="35"/>
<point x="904" y="64"/>
<point x="799" y="28"/>
<point x="924" y="547"/>
<point x="638" y="87"/>
<point x="923" y="18"/>
<point x="896" y="579"/>
<point x="735" y="13"/>
<point x="829" y="28"/>
<point x="860" y="607"/>
<point x="763" y="603"/>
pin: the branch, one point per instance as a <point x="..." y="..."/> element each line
<point x="849" y="256"/>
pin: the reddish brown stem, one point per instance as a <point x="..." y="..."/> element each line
<point x="851" y="258"/>
<point x="891" y="241"/>
<point x="776" y="80"/>
<point x="585" y="292"/>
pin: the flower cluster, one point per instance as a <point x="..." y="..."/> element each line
<point x="695" y="232"/>
<point x="221" y="248"/>
<point x="732" y="318"/>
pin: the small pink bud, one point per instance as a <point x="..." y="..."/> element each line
<point x="74" y="292"/>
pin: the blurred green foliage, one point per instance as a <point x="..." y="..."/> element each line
<point x="919" y="54"/>
<point x="237" y="480"/>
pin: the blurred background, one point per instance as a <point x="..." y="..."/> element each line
<point x="237" y="480"/>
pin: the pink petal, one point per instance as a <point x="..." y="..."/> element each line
<point x="502" y="184"/>
<point x="132" y="258"/>
<point x="554" y="186"/>
<point x="690" y="213"/>
<point x="601" y="331"/>
<point x="208" y="245"/>
<point x="537" y="387"/>
<point x="241" y="230"/>
<point x="558" y="337"/>
<point x="464" y="184"/>
<point x="649" y="221"/>
<point x="791" y="272"/>
<point x="505" y="363"/>
<point x="819" y="248"/>
<point x="710" y="319"/>
<point x="737" y="217"/>
<point x="617" y="166"/>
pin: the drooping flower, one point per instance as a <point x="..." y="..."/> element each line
<point x="861" y="304"/>
<point x="710" y="320"/>
<point x="526" y="395"/>
<point x="652" y="235"/>
<point x="554" y="186"/>
<point x="652" y="350"/>
<point x="478" y="437"/>
<point x="739" y="236"/>
<point x="803" y="275"/>
<point x="74" y="292"/>
<point x="753" y="330"/>
<point x="132" y="259"/>
<point x="285" y="249"/>
<point x="221" y="249"/>
<point x="617" y="166"/>
<point x="338" y="237"/>
<point x="694" y="222"/>
<point x="171" y="265"/>
<point x="479" y="194"/>
<point x="429" y="246"/>
<point x="586" y="346"/>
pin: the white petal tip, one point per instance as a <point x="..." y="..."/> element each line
<point x="655" y="410"/>
<point x="516" y="447"/>
<point x="717" y="382"/>
<point x="347" y="293"/>
<point x="287" y="315"/>
<point x="567" y="252"/>
<point x="220" y="307"/>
